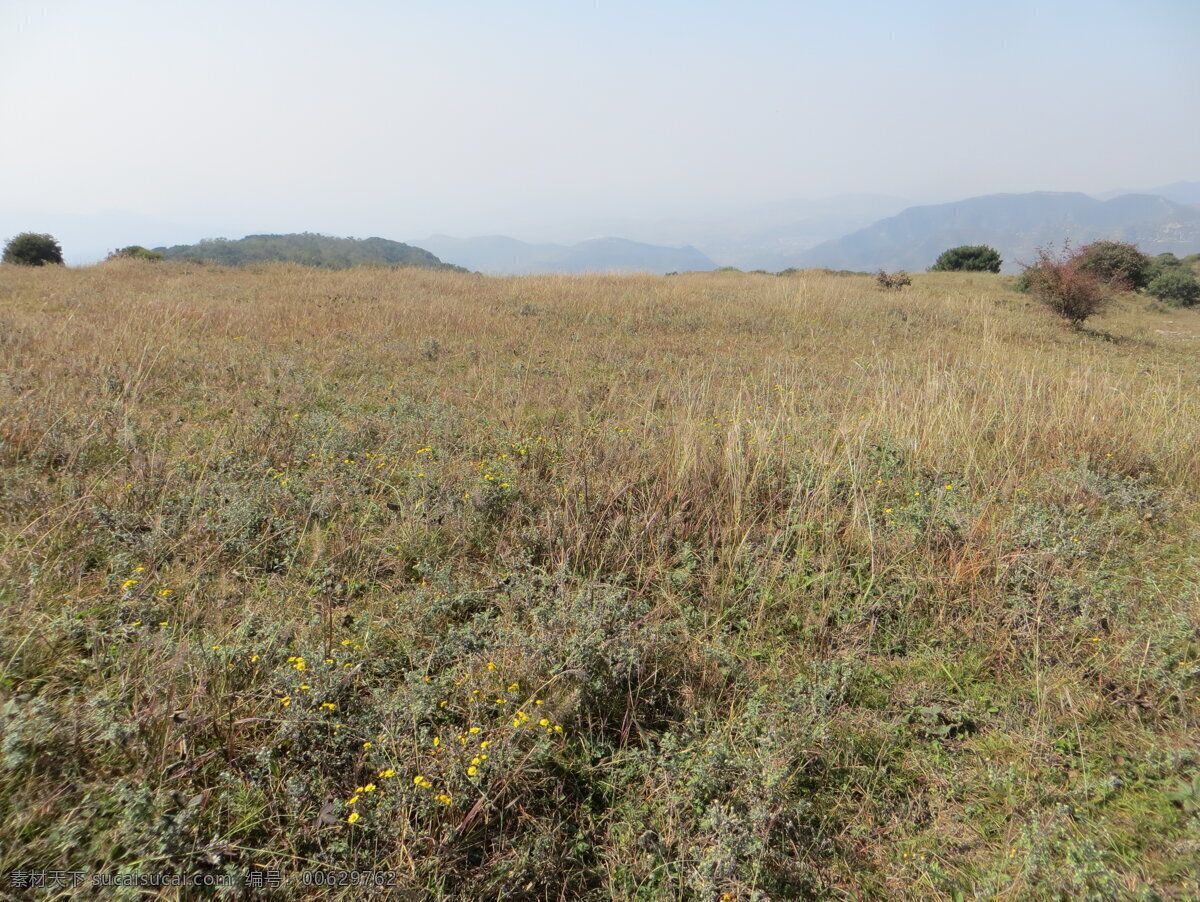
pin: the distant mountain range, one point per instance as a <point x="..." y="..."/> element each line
<point x="500" y="255"/>
<point x="797" y="234"/>
<point x="1015" y="224"/>
<point x="306" y="248"/>
<point x="749" y="236"/>
<point x="856" y="231"/>
<point x="1180" y="192"/>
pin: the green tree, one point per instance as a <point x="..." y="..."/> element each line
<point x="968" y="258"/>
<point x="1175" y="286"/>
<point x="33" y="249"/>
<point x="1119" y="263"/>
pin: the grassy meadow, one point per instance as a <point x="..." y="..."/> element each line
<point x="717" y="586"/>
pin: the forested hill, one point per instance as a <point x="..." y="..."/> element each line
<point x="307" y="248"/>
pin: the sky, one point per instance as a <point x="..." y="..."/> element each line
<point x="403" y="118"/>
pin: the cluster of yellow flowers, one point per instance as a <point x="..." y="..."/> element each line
<point x="498" y="478"/>
<point x="300" y="664"/>
<point x="473" y="746"/>
<point x="521" y="719"/>
<point x="497" y="470"/>
<point x="136" y="579"/>
<point x="280" y="475"/>
<point x="369" y="789"/>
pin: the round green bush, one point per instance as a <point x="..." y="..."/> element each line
<point x="33" y="249"/>
<point x="968" y="258"/>
<point x="1117" y="262"/>
<point x="1175" y="286"/>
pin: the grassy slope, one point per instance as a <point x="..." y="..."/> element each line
<point x="833" y="592"/>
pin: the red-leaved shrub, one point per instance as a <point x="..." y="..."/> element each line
<point x="1062" y="283"/>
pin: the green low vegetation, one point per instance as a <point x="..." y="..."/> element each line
<point x="136" y="252"/>
<point x="711" y="587"/>
<point x="1078" y="284"/>
<point x="1176" y="287"/>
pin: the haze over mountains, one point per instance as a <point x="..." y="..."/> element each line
<point x="742" y="235"/>
<point x="1179" y="192"/>
<point x="905" y="237"/>
<point x="858" y="232"/>
<point x="502" y="255"/>
<point x="1016" y="225"/>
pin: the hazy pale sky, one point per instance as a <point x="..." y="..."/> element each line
<point x="405" y="118"/>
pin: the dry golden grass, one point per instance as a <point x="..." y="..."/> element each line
<point x="966" y="529"/>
